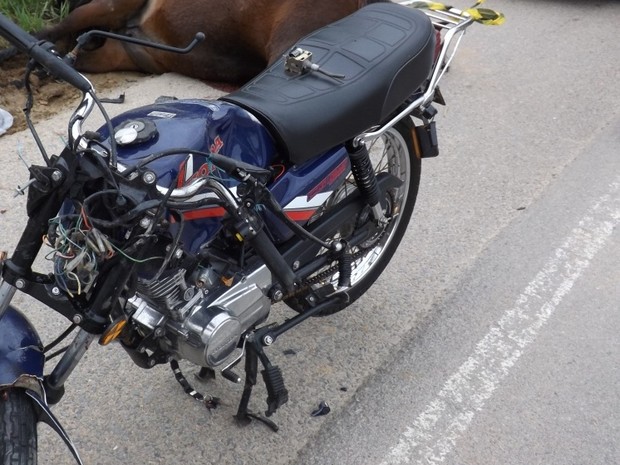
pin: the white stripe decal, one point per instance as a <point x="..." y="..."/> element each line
<point x="302" y="202"/>
<point x="189" y="168"/>
<point x="433" y="434"/>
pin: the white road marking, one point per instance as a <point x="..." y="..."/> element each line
<point x="433" y="434"/>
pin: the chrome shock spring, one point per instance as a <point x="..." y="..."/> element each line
<point x="363" y="173"/>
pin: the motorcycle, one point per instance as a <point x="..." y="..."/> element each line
<point x="174" y="228"/>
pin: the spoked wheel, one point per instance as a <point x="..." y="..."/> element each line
<point x="18" y="428"/>
<point x="393" y="154"/>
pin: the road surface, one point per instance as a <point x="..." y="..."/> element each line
<point x="492" y="336"/>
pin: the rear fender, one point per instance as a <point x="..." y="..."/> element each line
<point x="21" y="352"/>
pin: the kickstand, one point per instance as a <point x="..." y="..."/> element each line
<point x="277" y="394"/>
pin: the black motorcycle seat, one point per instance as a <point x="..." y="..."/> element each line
<point x="385" y="52"/>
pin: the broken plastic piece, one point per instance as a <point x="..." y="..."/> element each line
<point x="322" y="410"/>
<point x="212" y="402"/>
<point x="119" y="99"/>
<point x="6" y="121"/>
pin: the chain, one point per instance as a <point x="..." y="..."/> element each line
<point x="305" y="286"/>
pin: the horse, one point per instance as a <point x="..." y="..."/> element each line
<point x="243" y="37"/>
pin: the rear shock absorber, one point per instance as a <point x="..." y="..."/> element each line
<point x="365" y="178"/>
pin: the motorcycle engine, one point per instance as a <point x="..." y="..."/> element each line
<point x="192" y="305"/>
<point x="200" y="318"/>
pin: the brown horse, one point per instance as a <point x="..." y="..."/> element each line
<point x="242" y="36"/>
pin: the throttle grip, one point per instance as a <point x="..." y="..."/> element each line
<point x="42" y="53"/>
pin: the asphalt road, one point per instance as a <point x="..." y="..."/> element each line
<point x="492" y="336"/>
<point x="519" y="361"/>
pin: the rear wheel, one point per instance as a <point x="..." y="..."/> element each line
<point x="392" y="153"/>
<point x="18" y="428"/>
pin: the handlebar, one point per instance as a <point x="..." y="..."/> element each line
<point x="41" y="52"/>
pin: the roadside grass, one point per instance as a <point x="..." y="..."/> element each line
<point x="33" y="15"/>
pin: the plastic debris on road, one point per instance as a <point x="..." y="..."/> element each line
<point x="322" y="410"/>
<point x="6" y="121"/>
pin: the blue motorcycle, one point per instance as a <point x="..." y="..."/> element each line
<point x="175" y="227"/>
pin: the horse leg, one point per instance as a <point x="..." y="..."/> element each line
<point x="111" y="56"/>
<point x="109" y="14"/>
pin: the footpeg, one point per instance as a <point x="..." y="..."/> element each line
<point x="231" y="376"/>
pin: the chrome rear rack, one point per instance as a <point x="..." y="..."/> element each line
<point x="441" y="19"/>
<point x="452" y="23"/>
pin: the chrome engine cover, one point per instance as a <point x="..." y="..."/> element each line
<point x="211" y="325"/>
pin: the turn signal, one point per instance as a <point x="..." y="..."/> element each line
<point x="113" y="331"/>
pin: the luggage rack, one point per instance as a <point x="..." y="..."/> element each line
<point x="452" y="23"/>
<point x="441" y="18"/>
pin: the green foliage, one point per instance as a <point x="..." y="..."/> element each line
<point x="33" y="15"/>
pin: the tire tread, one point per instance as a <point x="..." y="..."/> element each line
<point x="18" y="428"/>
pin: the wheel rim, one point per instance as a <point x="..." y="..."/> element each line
<point x="389" y="154"/>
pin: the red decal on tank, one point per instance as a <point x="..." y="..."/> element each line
<point x="182" y="174"/>
<point x="217" y="145"/>
<point x="329" y="179"/>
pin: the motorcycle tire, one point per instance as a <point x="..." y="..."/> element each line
<point x="393" y="152"/>
<point x="18" y="428"/>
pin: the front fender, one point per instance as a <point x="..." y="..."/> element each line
<point x="21" y="351"/>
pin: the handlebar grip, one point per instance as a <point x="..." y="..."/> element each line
<point x="15" y="34"/>
<point x="58" y="68"/>
<point x="40" y="52"/>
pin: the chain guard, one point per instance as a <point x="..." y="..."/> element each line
<point x="363" y="221"/>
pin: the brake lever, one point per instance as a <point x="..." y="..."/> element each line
<point x="84" y="38"/>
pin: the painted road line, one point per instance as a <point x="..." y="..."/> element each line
<point x="433" y="434"/>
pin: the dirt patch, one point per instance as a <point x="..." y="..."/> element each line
<point x="50" y="96"/>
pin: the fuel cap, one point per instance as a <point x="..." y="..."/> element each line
<point x="135" y="131"/>
<point x="125" y="136"/>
